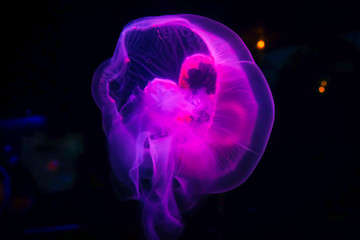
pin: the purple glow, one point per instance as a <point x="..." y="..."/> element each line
<point x="5" y="188"/>
<point x="186" y="112"/>
<point x="52" y="229"/>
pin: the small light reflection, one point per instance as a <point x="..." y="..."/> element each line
<point x="260" y="44"/>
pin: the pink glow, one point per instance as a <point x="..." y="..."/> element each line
<point x="52" y="165"/>
<point x="186" y="111"/>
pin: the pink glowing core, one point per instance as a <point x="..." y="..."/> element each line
<point x="186" y="111"/>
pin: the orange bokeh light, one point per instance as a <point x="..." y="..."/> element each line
<point x="260" y="44"/>
<point x="321" y="89"/>
<point x="323" y="83"/>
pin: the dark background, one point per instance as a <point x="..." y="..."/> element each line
<point x="306" y="185"/>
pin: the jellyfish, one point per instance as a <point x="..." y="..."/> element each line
<point x="186" y="112"/>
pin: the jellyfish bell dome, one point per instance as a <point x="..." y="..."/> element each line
<point x="186" y="111"/>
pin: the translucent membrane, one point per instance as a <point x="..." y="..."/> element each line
<point x="186" y="112"/>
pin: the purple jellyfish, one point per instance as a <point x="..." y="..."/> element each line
<point x="186" y="112"/>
